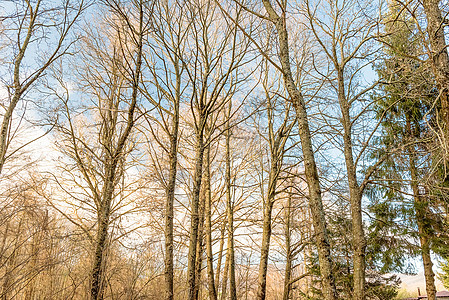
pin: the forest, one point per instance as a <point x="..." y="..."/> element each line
<point x="223" y="149"/>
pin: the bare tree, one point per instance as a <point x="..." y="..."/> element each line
<point x="213" y="82"/>
<point x="230" y="253"/>
<point x="31" y="24"/>
<point x="208" y="227"/>
<point x="167" y="42"/>
<point x="277" y="16"/>
<point x="346" y="45"/>
<point x="277" y="139"/>
<point x="111" y="76"/>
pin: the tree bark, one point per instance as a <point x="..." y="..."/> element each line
<point x="355" y="195"/>
<point x="220" y="252"/>
<point x="263" y="264"/>
<point x="97" y="281"/>
<point x="194" y="220"/>
<point x="208" y="221"/>
<point x="200" y="248"/>
<point x="421" y="207"/>
<point x="224" y="283"/>
<point x="277" y="140"/>
<point x="230" y="213"/>
<point x="169" y="206"/>
<point x="288" y="264"/>
<point x="310" y="168"/>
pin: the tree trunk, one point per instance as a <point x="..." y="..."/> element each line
<point x="224" y="283"/>
<point x="208" y="221"/>
<point x="421" y="205"/>
<point x="97" y="280"/>
<point x="230" y="213"/>
<point x="420" y="208"/>
<point x="266" y="235"/>
<point x="200" y="248"/>
<point x="199" y="262"/>
<point x="288" y="264"/>
<point x="310" y="168"/>
<point x="169" y="206"/>
<point x="315" y="200"/>
<point x="194" y="220"/>
<point x="427" y="262"/>
<point x="277" y="140"/>
<point x="355" y="195"/>
<point x="263" y="264"/>
<point x="220" y="252"/>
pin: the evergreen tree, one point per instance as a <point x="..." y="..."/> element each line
<point x="404" y="204"/>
